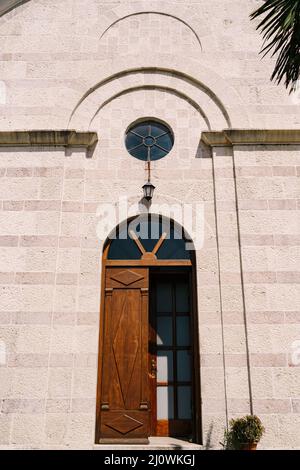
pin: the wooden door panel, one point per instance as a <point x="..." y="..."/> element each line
<point x="124" y="407"/>
<point x="174" y="428"/>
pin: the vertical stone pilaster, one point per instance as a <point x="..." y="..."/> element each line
<point x="234" y="331"/>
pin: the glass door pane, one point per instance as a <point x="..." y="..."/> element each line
<point x="184" y="366"/>
<point x="165" y="366"/>
<point x="164" y="331"/>
<point x="182" y="297"/>
<point x="183" y="331"/>
<point x="165" y="402"/>
<point x="173" y="353"/>
<point x="184" y="402"/>
<point x="164" y="297"/>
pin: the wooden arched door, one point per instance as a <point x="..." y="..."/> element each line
<point x="148" y="380"/>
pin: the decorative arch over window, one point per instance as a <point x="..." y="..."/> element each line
<point x="149" y="237"/>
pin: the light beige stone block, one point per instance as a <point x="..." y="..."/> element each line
<point x="39" y="296"/>
<point x="234" y="339"/>
<point x="288" y="426"/>
<point x="70" y="224"/>
<point x="65" y="298"/>
<point x="88" y="299"/>
<point x="30" y="383"/>
<point x="38" y="259"/>
<point x="62" y="339"/>
<point x="86" y="339"/>
<point x="262" y="382"/>
<point x="28" y="430"/>
<point x="33" y="339"/>
<point x="56" y="428"/>
<point x="84" y="383"/>
<point x="5" y="428"/>
<point x="6" y="380"/>
<point x="237" y="382"/>
<point x="68" y="260"/>
<point x="286" y="382"/>
<point x="73" y="189"/>
<point x="80" y="431"/>
<point x="59" y="385"/>
<point x="212" y="382"/>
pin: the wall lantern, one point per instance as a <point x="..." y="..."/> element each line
<point x="148" y="189"/>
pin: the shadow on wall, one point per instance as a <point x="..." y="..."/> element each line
<point x="203" y="151"/>
<point x="208" y="437"/>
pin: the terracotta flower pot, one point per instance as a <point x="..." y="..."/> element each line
<point x="249" y="446"/>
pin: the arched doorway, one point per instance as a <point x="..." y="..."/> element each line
<point x="148" y="371"/>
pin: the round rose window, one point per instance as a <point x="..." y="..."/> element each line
<point x="149" y="140"/>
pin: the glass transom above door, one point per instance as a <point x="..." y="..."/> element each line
<point x="149" y="234"/>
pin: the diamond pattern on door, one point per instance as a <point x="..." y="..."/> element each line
<point x="126" y="277"/>
<point x="124" y="424"/>
<point x="126" y="343"/>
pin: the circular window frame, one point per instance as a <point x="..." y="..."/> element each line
<point x="149" y="120"/>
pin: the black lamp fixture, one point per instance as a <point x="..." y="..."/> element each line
<point x="148" y="187"/>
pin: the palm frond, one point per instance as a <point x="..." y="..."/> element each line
<point x="280" y="27"/>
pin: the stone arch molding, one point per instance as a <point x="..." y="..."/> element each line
<point x="119" y="12"/>
<point x="201" y="97"/>
<point x="8" y="5"/>
<point x="154" y="12"/>
<point x="214" y="97"/>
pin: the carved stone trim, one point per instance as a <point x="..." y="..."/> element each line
<point x="230" y="137"/>
<point x="48" y="138"/>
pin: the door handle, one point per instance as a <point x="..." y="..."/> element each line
<point x="153" y="368"/>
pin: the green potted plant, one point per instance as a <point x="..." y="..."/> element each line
<point x="245" y="433"/>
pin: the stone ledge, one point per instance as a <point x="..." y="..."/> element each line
<point x="231" y="137"/>
<point x="48" y="138"/>
<point x="155" y="443"/>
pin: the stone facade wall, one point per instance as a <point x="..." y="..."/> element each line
<point x="268" y="198"/>
<point x="100" y="65"/>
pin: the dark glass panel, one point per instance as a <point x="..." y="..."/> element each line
<point x="184" y="366"/>
<point x="141" y="153"/>
<point x="164" y="331"/>
<point x="182" y="297"/>
<point x="142" y="129"/>
<point x="183" y="337"/>
<point x="184" y="402"/>
<point x="158" y="129"/>
<point x="173" y="249"/>
<point x="124" y="249"/>
<point x="132" y="141"/>
<point x="164" y="297"/>
<point x="165" y="142"/>
<point x="157" y="153"/>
